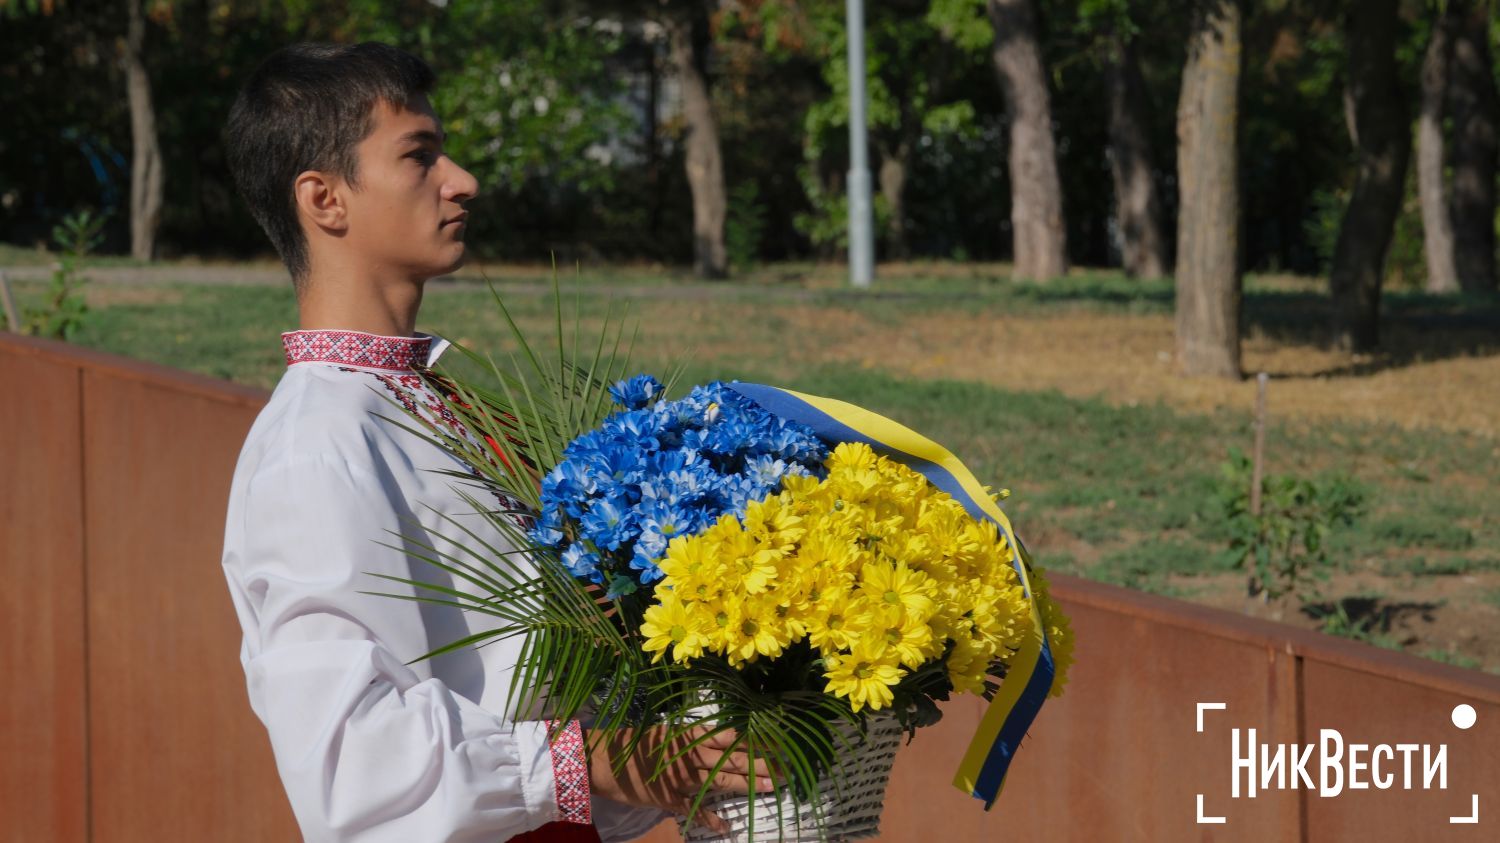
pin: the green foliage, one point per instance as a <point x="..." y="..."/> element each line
<point x="1146" y="566"/>
<point x="1451" y="657"/>
<point x="1450" y="566"/>
<point x="1423" y="530"/>
<point x="1283" y="547"/>
<point x="745" y="226"/>
<point x="547" y="104"/>
<point x="64" y="311"/>
<point x="921" y="64"/>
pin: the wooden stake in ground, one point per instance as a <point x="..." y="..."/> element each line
<point x="1257" y="464"/>
<point x="1257" y="469"/>
<point x="11" y="319"/>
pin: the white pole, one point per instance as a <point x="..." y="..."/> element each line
<point x="861" y="222"/>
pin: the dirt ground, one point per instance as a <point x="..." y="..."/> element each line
<point x="1129" y="359"/>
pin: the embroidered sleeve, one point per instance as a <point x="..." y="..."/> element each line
<point x="570" y="773"/>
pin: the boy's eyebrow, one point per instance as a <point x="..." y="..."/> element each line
<point x="424" y="135"/>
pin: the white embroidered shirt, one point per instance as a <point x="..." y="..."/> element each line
<point x="370" y="748"/>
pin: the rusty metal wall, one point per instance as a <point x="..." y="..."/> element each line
<point x="125" y="716"/>
<point x="42" y="717"/>
<point x="132" y="722"/>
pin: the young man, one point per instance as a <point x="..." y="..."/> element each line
<point x="340" y="157"/>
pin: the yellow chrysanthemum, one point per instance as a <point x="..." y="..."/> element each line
<point x="909" y="638"/>
<point x="773" y="524"/>
<point x="839" y="623"/>
<point x="897" y="585"/>
<point x="755" y="631"/>
<point x="1059" y="631"/>
<point x="669" y="623"/>
<point x="864" y="676"/>
<point x="747" y="562"/>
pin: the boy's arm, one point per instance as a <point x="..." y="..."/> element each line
<point x="366" y="748"/>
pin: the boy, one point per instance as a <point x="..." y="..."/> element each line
<point x="340" y="157"/>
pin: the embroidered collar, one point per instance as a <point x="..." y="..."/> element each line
<point x="356" y="348"/>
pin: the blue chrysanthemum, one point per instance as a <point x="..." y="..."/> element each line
<point x="636" y="392"/>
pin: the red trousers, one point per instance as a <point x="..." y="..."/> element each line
<point x="559" y="833"/>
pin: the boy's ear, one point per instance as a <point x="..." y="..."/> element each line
<point x="320" y="198"/>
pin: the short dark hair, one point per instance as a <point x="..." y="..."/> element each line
<point x="306" y="107"/>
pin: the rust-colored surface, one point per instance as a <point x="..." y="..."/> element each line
<point x="168" y="707"/>
<point x="1372" y="709"/>
<point x="1120" y="753"/>
<point x="43" y="743"/>
<point x="121" y="470"/>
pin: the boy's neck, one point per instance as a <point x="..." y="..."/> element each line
<point x="348" y="303"/>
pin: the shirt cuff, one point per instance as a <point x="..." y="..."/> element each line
<point x="570" y="773"/>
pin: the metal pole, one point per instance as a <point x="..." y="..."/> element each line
<point x="861" y="217"/>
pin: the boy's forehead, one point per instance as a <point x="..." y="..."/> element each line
<point x="396" y="123"/>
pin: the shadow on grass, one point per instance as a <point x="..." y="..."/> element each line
<point x="1371" y="618"/>
<point x="1414" y="328"/>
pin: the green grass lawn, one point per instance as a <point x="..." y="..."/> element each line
<point x="1122" y="494"/>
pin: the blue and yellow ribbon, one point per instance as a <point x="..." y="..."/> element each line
<point x="1029" y="676"/>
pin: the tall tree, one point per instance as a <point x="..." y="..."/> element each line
<point x="1036" y="209"/>
<point x="1208" y="220"/>
<point x="690" y="35"/>
<point x="1382" y="140"/>
<point x="1143" y="243"/>
<point x="1474" y="103"/>
<point x="1437" y="225"/>
<point x="146" y="180"/>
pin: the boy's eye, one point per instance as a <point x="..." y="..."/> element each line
<point x="424" y="156"/>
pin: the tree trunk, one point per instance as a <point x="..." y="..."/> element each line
<point x="1036" y="211"/>
<point x="893" y="188"/>
<point x="146" y="164"/>
<point x="1437" y="225"/>
<point x="1474" y="104"/>
<point x="1208" y="220"/>
<point x="1383" y="142"/>
<point x="705" y="164"/>
<point x="1143" y="244"/>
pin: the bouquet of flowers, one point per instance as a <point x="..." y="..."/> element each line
<point x="743" y="557"/>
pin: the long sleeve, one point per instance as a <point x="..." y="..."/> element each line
<point x="369" y="748"/>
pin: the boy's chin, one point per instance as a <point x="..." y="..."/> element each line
<point x="454" y="264"/>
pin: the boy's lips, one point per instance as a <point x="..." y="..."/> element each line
<point x="458" y="219"/>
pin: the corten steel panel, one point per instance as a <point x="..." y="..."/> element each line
<point x="921" y="803"/>
<point x="1118" y="757"/>
<point x="177" y="753"/>
<point x="43" y="743"/>
<point x="1369" y="708"/>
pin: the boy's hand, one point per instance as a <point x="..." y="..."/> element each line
<point x="675" y="789"/>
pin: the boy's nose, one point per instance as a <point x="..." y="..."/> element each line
<point x="461" y="184"/>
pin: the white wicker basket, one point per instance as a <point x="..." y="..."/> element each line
<point x="849" y="812"/>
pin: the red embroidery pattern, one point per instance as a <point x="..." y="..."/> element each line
<point x="408" y="389"/>
<point x="570" y="772"/>
<point x="353" y="348"/>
